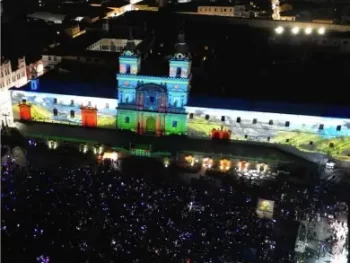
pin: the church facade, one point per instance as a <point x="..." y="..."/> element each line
<point x="149" y="104"/>
<point x="161" y="106"/>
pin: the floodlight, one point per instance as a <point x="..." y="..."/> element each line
<point x="308" y="30"/>
<point x="321" y="31"/>
<point x="295" y="30"/>
<point x="279" y="30"/>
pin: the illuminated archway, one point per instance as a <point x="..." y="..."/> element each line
<point x="151" y="124"/>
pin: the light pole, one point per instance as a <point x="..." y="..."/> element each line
<point x="6" y="115"/>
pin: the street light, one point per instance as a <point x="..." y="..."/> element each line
<point x="6" y="121"/>
<point x="308" y="30"/>
<point x="321" y="31"/>
<point x="279" y="30"/>
<point x="295" y="30"/>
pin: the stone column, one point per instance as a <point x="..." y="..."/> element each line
<point x="141" y="101"/>
<point x="158" y="125"/>
<point x="141" y="123"/>
<point x="137" y="99"/>
<point x="137" y="123"/>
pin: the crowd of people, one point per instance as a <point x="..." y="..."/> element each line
<point x="87" y="213"/>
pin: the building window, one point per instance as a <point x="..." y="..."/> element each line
<point x="321" y="127"/>
<point x="255" y="121"/>
<point x="287" y="124"/>
<point x="339" y="128"/>
<point x="270" y="122"/>
<point x="207" y="117"/>
<point x="55" y="112"/>
<point x="178" y="72"/>
<point x="127" y="69"/>
<point x="151" y="99"/>
<point x="222" y="118"/>
<point x="24" y="100"/>
<point x="54" y="101"/>
<point x="174" y="124"/>
<point x="72" y="114"/>
<point x="127" y="120"/>
<point x="238" y="120"/>
<point x="191" y="115"/>
<point x="72" y="102"/>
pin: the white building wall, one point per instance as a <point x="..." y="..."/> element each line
<point x="9" y="79"/>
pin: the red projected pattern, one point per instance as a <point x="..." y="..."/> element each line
<point x="88" y="117"/>
<point x="25" y="112"/>
<point x="220" y="134"/>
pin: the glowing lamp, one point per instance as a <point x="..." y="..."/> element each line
<point x="225" y="165"/>
<point x="190" y="159"/>
<point x="279" y="30"/>
<point x="321" y="31"/>
<point x="52" y="145"/>
<point x="295" y="30"/>
<point x="83" y="148"/>
<point x="110" y="155"/>
<point x="207" y="162"/>
<point x="308" y="30"/>
<point x="166" y="161"/>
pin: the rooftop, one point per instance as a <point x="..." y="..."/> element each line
<point x="74" y="10"/>
<point x="78" y="80"/>
<point x="78" y="46"/>
<point x="270" y="106"/>
<point x="116" y="3"/>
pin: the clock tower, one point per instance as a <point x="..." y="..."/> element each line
<point x="180" y="62"/>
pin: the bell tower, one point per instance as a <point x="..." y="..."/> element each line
<point x="180" y="62"/>
<point x="130" y="60"/>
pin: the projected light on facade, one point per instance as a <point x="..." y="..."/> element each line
<point x="149" y="104"/>
<point x="159" y="106"/>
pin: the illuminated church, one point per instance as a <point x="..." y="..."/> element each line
<point x="148" y="104"/>
<point x="160" y="106"/>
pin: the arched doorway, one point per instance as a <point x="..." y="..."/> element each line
<point x="151" y="124"/>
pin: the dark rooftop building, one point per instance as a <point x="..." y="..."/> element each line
<point x="270" y="106"/>
<point x="77" y="80"/>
